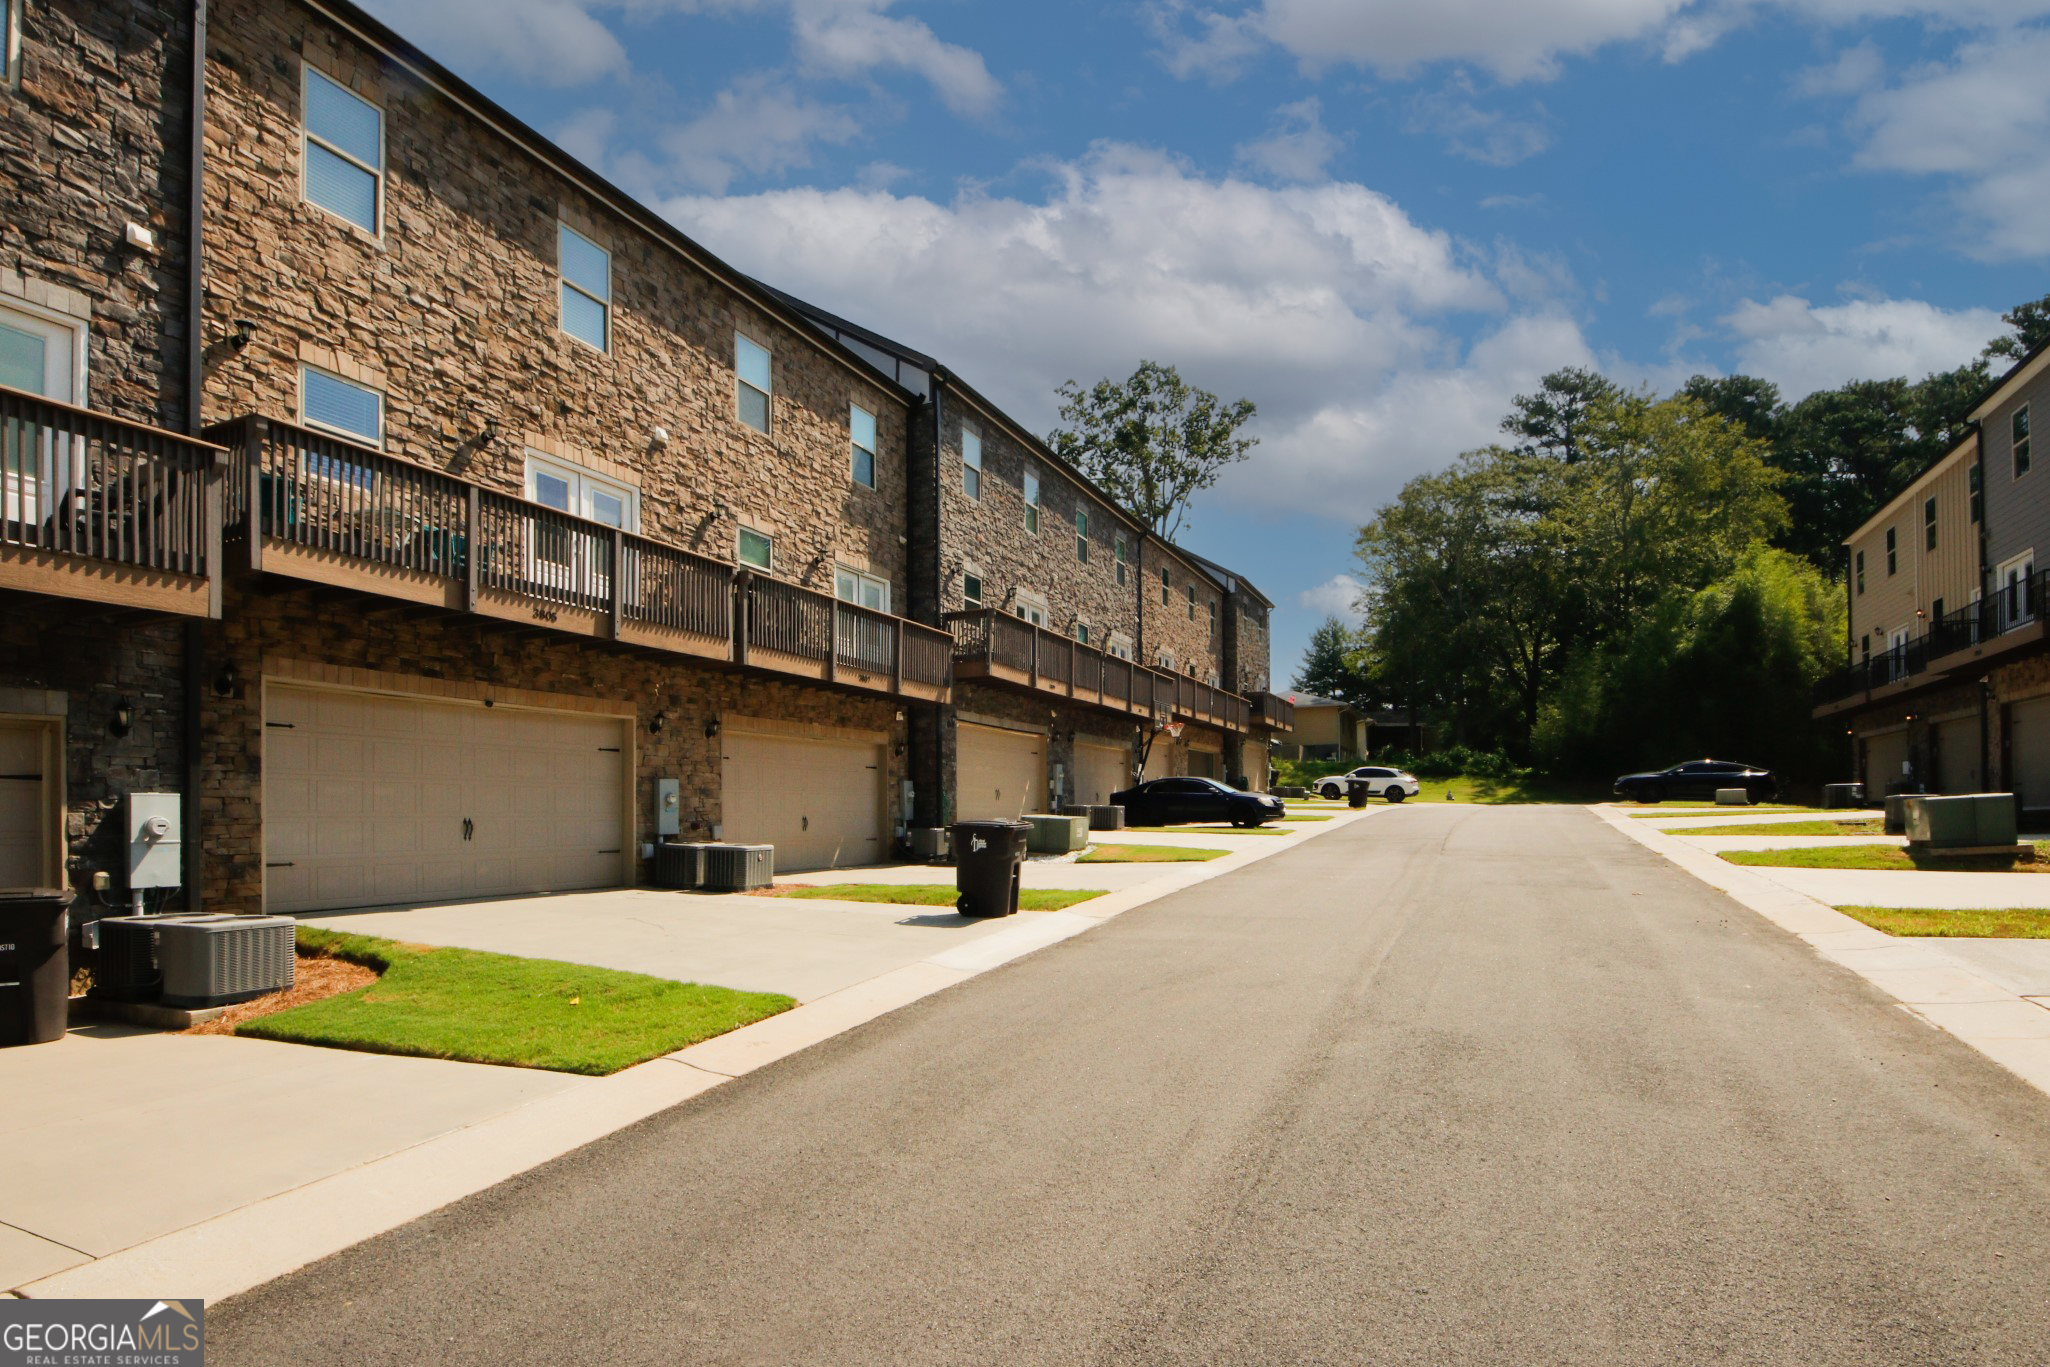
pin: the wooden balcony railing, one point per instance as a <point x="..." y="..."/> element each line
<point x="1274" y="713"/>
<point x="993" y="644"/>
<point x="320" y="508"/>
<point x="99" y="508"/>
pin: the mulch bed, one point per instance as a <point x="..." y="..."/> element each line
<point x="315" y="977"/>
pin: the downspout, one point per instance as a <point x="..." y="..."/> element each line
<point x="941" y="801"/>
<point x="193" y="873"/>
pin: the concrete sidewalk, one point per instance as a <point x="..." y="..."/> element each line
<point x="137" y="1161"/>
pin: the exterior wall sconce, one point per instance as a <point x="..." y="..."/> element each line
<point x="712" y="728"/>
<point x="657" y="722"/>
<point x="243" y="335"/>
<point x="124" y="718"/>
<point x="226" y="682"/>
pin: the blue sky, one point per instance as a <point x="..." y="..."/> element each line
<point x="1378" y="219"/>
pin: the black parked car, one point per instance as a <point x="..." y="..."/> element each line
<point x="1167" y="801"/>
<point x="1698" y="778"/>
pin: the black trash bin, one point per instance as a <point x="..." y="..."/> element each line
<point x="988" y="858"/>
<point x="1355" y="792"/>
<point x="35" y="964"/>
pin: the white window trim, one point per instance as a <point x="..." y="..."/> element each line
<point x="582" y="481"/>
<point x="769" y="568"/>
<point x="969" y="430"/>
<point x="383" y="406"/>
<point x="1028" y="601"/>
<point x="10" y="58"/>
<point x="1119" y="645"/>
<point x="1120" y="556"/>
<point x="77" y="328"/>
<point x="1032" y="492"/>
<point x="565" y="283"/>
<point x="2022" y="412"/>
<point x="307" y="71"/>
<point x="861" y="578"/>
<point x="1082" y="536"/>
<point x="971" y="571"/>
<point x="875" y="461"/>
<point x="768" y="395"/>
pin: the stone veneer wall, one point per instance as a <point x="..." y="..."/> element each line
<point x="97" y="137"/>
<point x="453" y="314"/>
<point x="273" y="631"/>
<point x="1198" y="650"/>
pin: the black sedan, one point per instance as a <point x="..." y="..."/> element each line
<point x="1698" y="779"/>
<point x="1169" y="801"/>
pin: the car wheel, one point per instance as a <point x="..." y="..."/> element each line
<point x="1394" y="794"/>
<point x="1651" y="794"/>
<point x="1327" y="791"/>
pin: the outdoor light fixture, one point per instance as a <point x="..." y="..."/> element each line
<point x="243" y="335"/>
<point x="226" y="682"/>
<point x="711" y="728"/>
<point x="124" y="718"/>
<point x="657" y="722"/>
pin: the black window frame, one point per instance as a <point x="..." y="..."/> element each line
<point x="1892" y="552"/>
<point x="1929" y="523"/>
<point x="2018" y="440"/>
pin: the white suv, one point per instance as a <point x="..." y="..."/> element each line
<point x="1392" y="784"/>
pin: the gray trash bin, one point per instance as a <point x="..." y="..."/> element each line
<point x="989" y="856"/>
<point x="35" y="964"/>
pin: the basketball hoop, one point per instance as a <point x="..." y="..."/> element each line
<point x="1174" y="730"/>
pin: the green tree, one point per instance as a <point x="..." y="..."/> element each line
<point x="1153" y="441"/>
<point x="1330" y="667"/>
<point x="2031" y="324"/>
<point x="1551" y="421"/>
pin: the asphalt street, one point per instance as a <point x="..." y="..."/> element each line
<point x="1454" y="1085"/>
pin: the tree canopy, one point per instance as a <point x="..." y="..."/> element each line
<point x="1153" y="441"/>
<point x="1330" y="667"/>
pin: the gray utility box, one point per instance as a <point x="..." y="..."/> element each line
<point x="218" y="958"/>
<point x="679" y="865"/>
<point x="1105" y="817"/>
<point x="1974" y="821"/>
<point x="125" y="964"/>
<point x="737" y="868"/>
<point x="1056" y="834"/>
<point x="1843" y="795"/>
<point x="1897" y="813"/>
<point x="1733" y="797"/>
<point x="929" y="843"/>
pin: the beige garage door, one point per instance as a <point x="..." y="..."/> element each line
<point x="818" y="801"/>
<point x="1884" y="756"/>
<point x="1206" y="764"/>
<point x="1957" y="756"/>
<point x="2028" y="751"/>
<point x="28" y="837"/>
<point x="1160" y="759"/>
<point x="1100" y="770"/>
<point x="999" y="774"/>
<point x="372" y="800"/>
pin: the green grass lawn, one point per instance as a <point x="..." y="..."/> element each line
<point x="937" y="895"/>
<point x="1308" y="816"/>
<point x="2007" y="923"/>
<point x="475" y="1007"/>
<point x="1863" y="825"/>
<point x="1147" y="854"/>
<point x="1666" y="811"/>
<point x="1490" y="792"/>
<point x="1216" y="829"/>
<point x="1890" y="857"/>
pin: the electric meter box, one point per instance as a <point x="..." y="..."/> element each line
<point x="156" y="841"/>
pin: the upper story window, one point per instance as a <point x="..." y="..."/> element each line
<point x="1929" y="524"/>
<point x="757" y="549"/>
<point x="1858" y="569"/>
<point x="1892" y="542"/>
<point x="1975" y="479"/>
<point x="1082" y="633"/>
<point x="1031" y="485"/>
<point x="331" y="402"/>
<point x="1166" y="660"/>
<point x="1030" y="606"/>
<point x="580" y="492"/>
<point x="971" y="462"/>
<point x="1118" y="550"/>
<point x="751" y="383"/>
<point x="1119" y="645"/>
<point x="586" y="287"/>
<point x="861" y="425"/>
<point x="852" y="586"/>
<point x="10" y="41"/>
<point x="1213" y="618"/>
<point x="1082" y="535"/>
<point x="1192" y="602"/>
<point x="971" y="589"/>
<point x="1166" y="590"/>
<point x="2020" y="428"/>
<point x="344" y="152"/>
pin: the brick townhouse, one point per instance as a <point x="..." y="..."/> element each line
<point x="1084" y="642"/>
<point x="1947" y="685"/>
<point x="520" y="531"/>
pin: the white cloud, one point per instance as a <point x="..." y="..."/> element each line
<point x="1297" y="147"/>
<point x="587" y="134"/>
<point x="1327" y="305"/>
<point x="1855" y="69"/>
<point x="853" y="39"/>
<point x="1337" y="597"/>
<point x="1802" y="348"/>
<point x="1483" y="135"/>
<point x="554" y="42"/>
<point x="754" y="125"/>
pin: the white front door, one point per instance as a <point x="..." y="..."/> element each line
<point x="2015" y="606"/>
<point x="28" y="838"/>
<point x="36" y="467"/>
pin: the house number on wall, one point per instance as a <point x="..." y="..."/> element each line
<point x="544" y="614"/>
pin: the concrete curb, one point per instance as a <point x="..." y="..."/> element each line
<point x="266" y="1239"/>
<point x="1942" y="990"/>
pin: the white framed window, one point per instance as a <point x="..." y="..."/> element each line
<point x="1166" y="660"/>
<point x="751" y="388"/>
<point x="10" y="42"/>
<point x="1030" y="607"/>
<point x="343" y="152"/>
<point x="586" y="287"/>
<point x="2015" y="581"/>
<point x="861" y="426"/>
<point x="1031" y="488"/>
<point x="971" y="462"/>
<point x="1892" y="551"/>
<point x="1213" y="618"/>
<point x="756" y="549"/>
<point x="1166" y="590"/>
<point x="1192" y="602"/>
<point x="41" y="352"/>
<point x="334" y="404"/>
<point x="1119" y="645"/>
<point x="854" y="586"/>
<point x="1121" y="555"/>
<point x="1858" y="568"/>
<point x="583" y="493"/>
<point x="1082" y="633"/>
<point x="2018" y="432"/>
<point x="1082" y="535"/>
<point x="971" y="589"/>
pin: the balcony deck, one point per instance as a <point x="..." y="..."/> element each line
<point x="988" y="644"/>
<point x="1963" y="644"/>
<point x="97" y="508"/>
<point x="313" y="507"/>
<point x="1273" y="712"/>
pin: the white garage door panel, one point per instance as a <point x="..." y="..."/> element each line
<point x="1100" y="770"/>
<point x="2028" y="751"/>
<point x="365" y="799"/>
<point x="1957" y="756"/>
<point x="818" y="801"/>
<point x="999" y="774"/>
<point x="1160" y="759"/>
<point x="1884" y="756"/>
